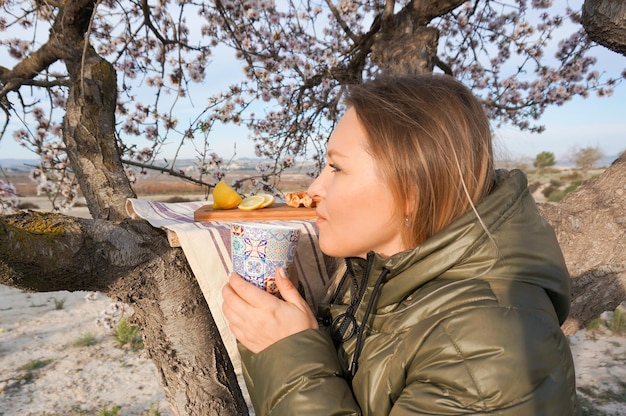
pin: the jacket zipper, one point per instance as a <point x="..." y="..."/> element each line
<point x="345" y="326"/>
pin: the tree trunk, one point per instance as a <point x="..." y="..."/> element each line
<point x="605" y="23"/>
<point x="130" y="261"/>
<point x="89" y="124"/>
<point x="406" y="52"/>
<point x="590" y="224"/>
<point x="405" y="44"/>
<point x="133" y="262"/>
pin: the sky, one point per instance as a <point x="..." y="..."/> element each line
<point x="591" y="122"/>
<point x="579" y="123"/>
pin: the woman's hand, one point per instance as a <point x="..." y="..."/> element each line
<point x="259" y="319"/>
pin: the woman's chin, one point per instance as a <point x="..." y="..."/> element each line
<point x="328" y="248"/>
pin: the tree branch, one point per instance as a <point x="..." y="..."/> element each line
<point x="349" y="33"/>
<point x="133" y="262"/>
<point x="49" y="252"/>
<point x="28" y="68"/>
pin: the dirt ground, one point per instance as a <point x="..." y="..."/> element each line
<point x="84" y="380"/>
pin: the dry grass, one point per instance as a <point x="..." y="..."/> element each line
<point x="546" y="185"/>
<point x="165" y="185"/>
<point x="551" y="185"/>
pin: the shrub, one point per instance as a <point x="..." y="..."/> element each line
<point x="154" y="411"/>
<point x="594" y="324"/>
<point x="35" y="364"/>
<point x="127" y="335"/>
<point x="85" y="340"/>
<point x="115" y="411"/>
<point x="572" y="176"/>
<point x="588" y="408"/>
<point x="173" y="199"/>
<point x="549" y="190"/>
<point x="618" y="323"/>
<point x="31" y="366"/>
<point x="58" y="303"/>
<point x="27" y="205"/>
<point x="534" y="186"/>
<point x="557" y="196"/>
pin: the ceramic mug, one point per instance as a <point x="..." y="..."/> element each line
<point x="259" y="249"/>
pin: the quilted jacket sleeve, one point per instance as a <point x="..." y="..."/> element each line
<point x="298" y="375"/>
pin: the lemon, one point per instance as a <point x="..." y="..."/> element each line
<point x="252" y="202"/>
<point x="269" y="200"/>
<point x="225" y="197"/>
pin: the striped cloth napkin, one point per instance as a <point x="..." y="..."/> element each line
<point x="207" y="248"/>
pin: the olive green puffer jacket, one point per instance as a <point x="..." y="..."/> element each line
<point x="457" y="326"/>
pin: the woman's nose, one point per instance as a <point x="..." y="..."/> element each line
<point x="315" y="189"/>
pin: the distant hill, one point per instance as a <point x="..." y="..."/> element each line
<point x="17" y="165"/>
<point x="245" y="163"/>
<point x="605" y="161"/>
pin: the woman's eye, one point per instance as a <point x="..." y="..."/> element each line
<point x="333" y="167"/>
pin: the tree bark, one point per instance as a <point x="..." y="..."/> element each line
<point x="590" y="224"/>
<point x="89" y="123"/>
<point x="405" y="44"/>
<point x="605" y="23"/>
<point x="130" y="261"/>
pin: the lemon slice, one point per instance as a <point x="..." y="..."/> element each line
<point x="252" y="202"/>
<point x="269" y="200"/>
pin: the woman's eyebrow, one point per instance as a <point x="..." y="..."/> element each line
<point x="333" y="153"/>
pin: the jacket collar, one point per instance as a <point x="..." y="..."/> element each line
<point x="519" y="245"/>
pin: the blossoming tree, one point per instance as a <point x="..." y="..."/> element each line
<point x="85" y="69"/>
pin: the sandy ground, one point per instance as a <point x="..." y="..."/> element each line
<point x="85" y="380"/>
<point x="75" y="380"/>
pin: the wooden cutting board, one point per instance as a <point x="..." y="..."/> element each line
<point x="278" y="211"/>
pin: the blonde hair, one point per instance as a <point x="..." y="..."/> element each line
<point x="432" y="143"/>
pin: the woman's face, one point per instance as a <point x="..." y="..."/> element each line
<point x="355" y="208"/>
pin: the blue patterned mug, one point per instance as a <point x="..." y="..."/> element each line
<point x="259" y="249"/>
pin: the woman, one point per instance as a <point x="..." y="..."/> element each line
<point x="455" y="287"/>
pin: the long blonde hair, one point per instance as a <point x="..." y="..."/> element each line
<point x="432" y="143"/>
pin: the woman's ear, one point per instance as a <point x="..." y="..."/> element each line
<point x="409" y="209"/>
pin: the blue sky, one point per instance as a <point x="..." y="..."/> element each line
<point x="591" y="122"/>
<point x="579" y="123"/>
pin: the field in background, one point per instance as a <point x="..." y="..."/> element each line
<point x="165" y="185"/>
<point x="168" y="185"/>
<point x="550" y="184"/>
